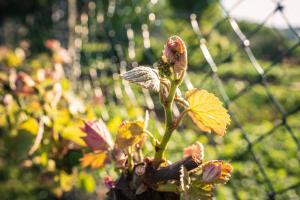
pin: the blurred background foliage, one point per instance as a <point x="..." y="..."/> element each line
<point x="103" y="38"/>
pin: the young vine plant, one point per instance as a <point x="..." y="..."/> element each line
<point x="155" y="177"/>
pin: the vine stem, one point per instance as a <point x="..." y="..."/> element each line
<point x="130" y="159"/>
<point x="170" y="126"/>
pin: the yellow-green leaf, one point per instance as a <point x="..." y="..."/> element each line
<point x="87" y="182"/>
<point x="129" y="134"/>
<point x="66" y="181"/>
<point x="94" y="160"/>
<point x="73" y="133"/>
<point x="200" y="192"/>
<point x="207" y="111"/>
<point x="13" y="59"/>
<point x="31" y="125"/>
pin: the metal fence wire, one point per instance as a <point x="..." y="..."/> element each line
<point x="124" y="58"/>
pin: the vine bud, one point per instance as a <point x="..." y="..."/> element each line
<point x="145" y="77"/>
<point x="211" y="172"/>
<point x="216" y="171"/>
<point x="109" y="182"/>
<point x="140" y="170"/>
<point x="196" y="150"/>
<point x="175" y="54"/>
<point x="119" y="157"/>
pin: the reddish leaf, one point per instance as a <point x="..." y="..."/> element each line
<point x="196" y="150"/>
<point x="98" y="136"/>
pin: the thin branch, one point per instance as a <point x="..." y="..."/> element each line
<point x="178" y="120"/>
<point x="182" y="102"/>
<point x="146" y="119"/>
<point x="38" y="137"/>
<point x="165" y="82"/>
<point x="153" y="138"/>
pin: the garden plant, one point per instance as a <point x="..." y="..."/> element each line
<point x="39" y="120"/>
<point x="152" y="175"/>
